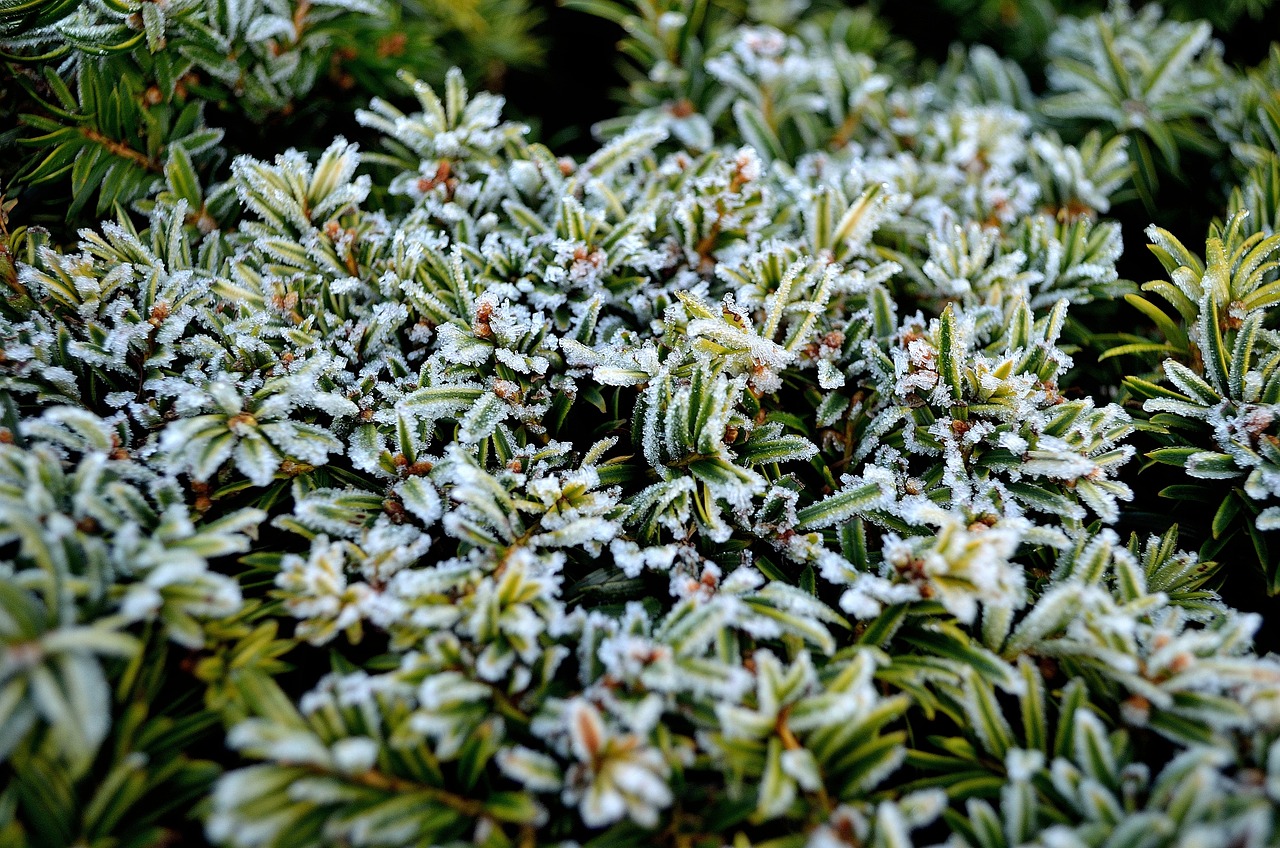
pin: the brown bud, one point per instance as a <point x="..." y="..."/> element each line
<point x="481" y="325"/>
<point x="681" y="108"/>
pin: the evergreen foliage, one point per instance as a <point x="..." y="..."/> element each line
<point x="752" y="479"/>
<point x="110" y="94"/>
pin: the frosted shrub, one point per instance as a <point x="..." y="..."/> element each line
<point x="728" y="485"/>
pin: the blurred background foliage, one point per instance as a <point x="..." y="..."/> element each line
<point x="94" y="96"/>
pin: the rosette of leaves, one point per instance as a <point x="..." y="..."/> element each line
<point x="1065" y="780"/>
<point x="1249" y="121"/>
<point x="1025" y="732"/>
<point x="1213" y="405"/>
<point x="1136" y="74"/>
<point x="1259" y="196"/>
<point x="979" y="390"/>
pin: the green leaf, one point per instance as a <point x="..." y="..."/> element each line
<point x="950" y="353"/>
<point x="514" y="807"/>
<point x="780" y="449"/>
<point x="1226" y="515"/>
<point x="839" y="507"/>
<point x="756" y="130"/>
<point x="1211" y="465"/>
<point x="1173" y="456"/>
